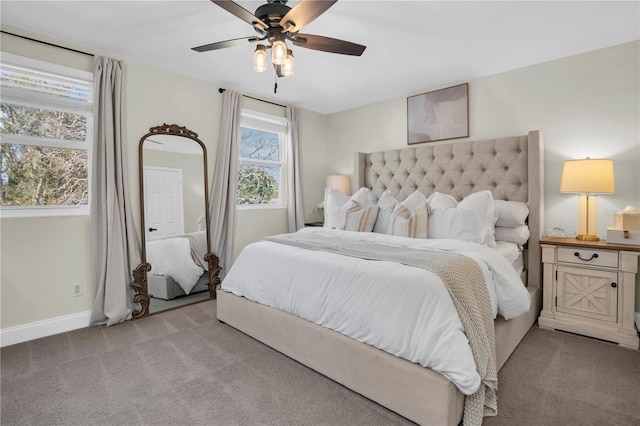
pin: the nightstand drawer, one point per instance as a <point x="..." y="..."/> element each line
<point x="587" y="256"/>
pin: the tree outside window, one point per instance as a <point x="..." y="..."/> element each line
<point x="260" y="164"/>
<point x="45" y="125"/>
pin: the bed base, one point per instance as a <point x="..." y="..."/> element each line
<point x="415" y="392"/>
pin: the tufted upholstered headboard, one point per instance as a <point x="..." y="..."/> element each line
<point x="510" y="167"/>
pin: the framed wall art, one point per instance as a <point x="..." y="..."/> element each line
<point x="438" y="115"/>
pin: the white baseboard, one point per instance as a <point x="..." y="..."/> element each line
<point x="49" y="327"/>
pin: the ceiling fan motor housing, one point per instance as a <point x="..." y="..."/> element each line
<point x="271" y="14"/>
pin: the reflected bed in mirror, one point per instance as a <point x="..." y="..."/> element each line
<point x="178" y="267"/>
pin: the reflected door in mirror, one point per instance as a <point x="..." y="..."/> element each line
<point x="164" y="207"/>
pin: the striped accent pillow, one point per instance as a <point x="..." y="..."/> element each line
<point x="407" y="223"/>
<point x="360" y="220"/>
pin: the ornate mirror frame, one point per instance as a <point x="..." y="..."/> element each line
<point x="139" y="285"/>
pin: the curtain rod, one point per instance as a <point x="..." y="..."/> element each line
<point x="221" y="90"/>
<point x="47" y="43"/>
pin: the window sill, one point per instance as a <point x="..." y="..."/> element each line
<point x="261" y="207"/>
<point x="35" y="212"/>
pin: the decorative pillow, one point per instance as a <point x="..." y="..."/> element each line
<point x="519" y="234"/>
<point x="414" y="200"/>
<point x="409" y="223"/>
<point x="481" y="202"/>
<point x="438" y="200"/>
<point x="360" y="220"/>
<point x="471" y="220"/>
<point x="511" y="213"/>
<point x="386" y="203"/>
<point x="336" y="204"/>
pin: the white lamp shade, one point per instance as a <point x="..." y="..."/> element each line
<point x="588" y="176"/>
<point x="340" y="182"/>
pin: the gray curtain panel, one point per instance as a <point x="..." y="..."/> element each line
<point x="115" y="247"/>
<point x="223" y="190"/>
<point x="295" y="212"/>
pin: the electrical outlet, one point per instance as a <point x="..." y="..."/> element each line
<point x="77" y="290"/>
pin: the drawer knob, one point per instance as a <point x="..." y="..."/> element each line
<point x="593" y="256"/>
<point x="614" y="285"/>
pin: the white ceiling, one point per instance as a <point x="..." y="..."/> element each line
<point x="412" y="46"/>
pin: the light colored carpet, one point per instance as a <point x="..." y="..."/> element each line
<point x="183" y="367"/>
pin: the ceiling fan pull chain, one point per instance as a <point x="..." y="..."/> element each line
<point x="275" y="86"/>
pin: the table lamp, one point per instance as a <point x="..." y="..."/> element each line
<point x="341" y="182"/>
<point x="586" y="178"/>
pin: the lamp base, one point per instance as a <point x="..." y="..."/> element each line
<point x="587" y="237"/>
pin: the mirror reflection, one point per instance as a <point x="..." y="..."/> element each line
<point x="176" y="250"/>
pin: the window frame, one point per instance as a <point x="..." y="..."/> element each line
<point x="275" y="124"/>
<point x="44" y="101"/>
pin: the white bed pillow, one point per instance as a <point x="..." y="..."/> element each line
<point x="415" y="199"/>
<point x="519" y="234"/>
<point x="409" y="223"/>
<point x="483" y="203"/>
<point x="386" y="204"/>
<point x="335" y="208"/>
<point x="360" y="219"/>
<point x="471" y="220"/>
<point x="511" y="213"/>
<point x="460" y="224"/>
<point x="438" y="200"/>
<point x="336" y="204"/>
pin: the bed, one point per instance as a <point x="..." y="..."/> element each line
<point x="178" y="267"/>
<point x="510" y="168"/>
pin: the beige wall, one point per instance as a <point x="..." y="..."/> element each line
<point x="585" y="105"/>
<point x="42" y="258"/>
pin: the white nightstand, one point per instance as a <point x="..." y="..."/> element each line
<point x="589" y="288"/>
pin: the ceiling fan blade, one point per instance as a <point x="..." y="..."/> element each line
<point x="328" y="44"/>
<point x="241" y="13"/>
<point x="225" y="44"/>
<point x="303" y="13"/>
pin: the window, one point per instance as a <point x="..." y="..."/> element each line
<point x="261" y="160"/>
<point x="46" y="126"/>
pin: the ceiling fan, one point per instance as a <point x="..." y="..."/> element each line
<point x="275" y="22"/>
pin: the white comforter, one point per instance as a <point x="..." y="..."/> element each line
<point x="172" y="257"/>
<point x="400" y="309"/>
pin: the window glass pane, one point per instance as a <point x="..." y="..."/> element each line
<point x="258" y="184"/>
<point x="259" y="144"/>
<point x="42" y="176"/>
<point x="43" y="123"/>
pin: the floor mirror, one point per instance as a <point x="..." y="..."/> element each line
<point x="178" y="267"/>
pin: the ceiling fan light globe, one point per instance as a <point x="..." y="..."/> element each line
<point x="260" y="59"/>
<point x="278" y="52"/>
<point x="287" y="66"/>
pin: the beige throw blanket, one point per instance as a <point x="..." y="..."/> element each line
<point x="465" y="282"/>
